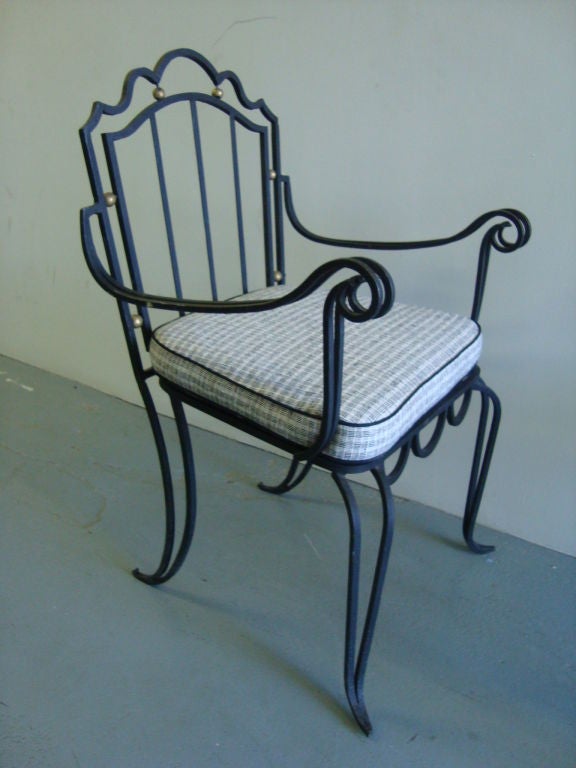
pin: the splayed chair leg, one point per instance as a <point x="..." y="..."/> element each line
<point x="292" y="479"/>
<point x="481" y="464"/>
<point x="355" y="663"/>
<point x="170" y="564"/>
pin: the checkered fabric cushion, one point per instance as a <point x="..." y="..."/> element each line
<point x="267" y="367"/>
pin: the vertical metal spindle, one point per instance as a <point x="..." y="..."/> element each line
<point x="204" y="198"/>
<point x="166" y="206"/>
<point x="238" y="194"/>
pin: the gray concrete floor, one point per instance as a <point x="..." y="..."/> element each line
<point x="237" y="661"/>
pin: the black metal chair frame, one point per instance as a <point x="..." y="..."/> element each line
<point x="342" y="304"/>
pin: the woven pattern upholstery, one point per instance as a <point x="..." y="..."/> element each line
<point x="267" y="366"/>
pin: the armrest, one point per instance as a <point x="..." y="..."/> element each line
<point x="508" y="217"/>
<point x="367" y="272"/>
<point x="342" y="303"/>
<point x="494" y="237"/>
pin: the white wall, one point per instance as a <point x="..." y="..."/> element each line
<point x="400" y="119"/>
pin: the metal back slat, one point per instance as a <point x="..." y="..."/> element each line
<point x="204" y="198"/>
<point x="165" y="206"/>
<point x="238" y="196"/>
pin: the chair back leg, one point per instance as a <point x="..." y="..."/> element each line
<point x="291" y="480"/>
<point x="484" y="448"/>
<point x="169" y="563"/>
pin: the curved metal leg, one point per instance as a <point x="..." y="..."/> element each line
<point x="288" y="483"/>
<point x="355" y="663"/>
<point x="170" y="565"/>
<point x="481" y="464"/>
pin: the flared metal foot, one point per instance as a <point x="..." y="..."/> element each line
<point x="355" y="663"/>
<point x="360" y="713"/>
<point x="478" y="549"/>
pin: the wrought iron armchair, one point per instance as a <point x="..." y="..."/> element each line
<point x="331" y="371"/>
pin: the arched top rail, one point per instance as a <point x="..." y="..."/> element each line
<point x="154" y="77"/>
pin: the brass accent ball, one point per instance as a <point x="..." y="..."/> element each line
<point x="109" y="199"/>
<point x="278" y="276"/>
<point x="137" y="321"/>
<point x="158" y="93"/>
<point x="217" y="92"/>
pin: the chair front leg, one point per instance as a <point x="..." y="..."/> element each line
<point x="355" y="663"/>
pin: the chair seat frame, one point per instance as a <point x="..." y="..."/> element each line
<point x="504" y="230"/>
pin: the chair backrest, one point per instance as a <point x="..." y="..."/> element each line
<point x="189" y="170"/>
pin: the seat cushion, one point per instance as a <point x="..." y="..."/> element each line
<point x="267" y="367"/>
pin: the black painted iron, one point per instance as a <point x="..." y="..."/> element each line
<point x="123" y="279"/>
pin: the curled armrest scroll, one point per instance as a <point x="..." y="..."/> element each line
<point x="381" y="292"/>
<point x="497" y="233"/>
<point x="498" y="237"/>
